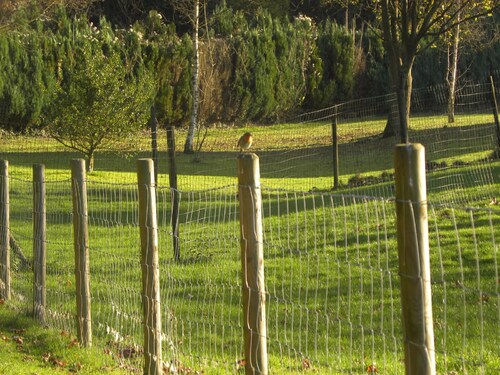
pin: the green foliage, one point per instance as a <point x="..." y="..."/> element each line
<point x="226" y="22"/>
<point x="26" y="78"/>
<point x="336" y="52"/>
<point x="99" y="100"/>
<point x="373" y="79"/>
<point x="174" y="100"/>
<point x="274" y="63"/>
<point x="266" y="69"/>
<point x="255" y="70"/>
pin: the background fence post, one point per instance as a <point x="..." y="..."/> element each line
<point x="494" y="103"/>
<point x="174" y="193"/>
<point x="39" y="237"/>
<point x="150" y="269"/>
<point x="81" y="245"/>
<point x="4" y="231"/>
<point x="414" y="263"/>
<point x="252" y="264"/>
<point x="335" y="142"/>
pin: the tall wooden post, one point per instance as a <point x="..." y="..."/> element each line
<point x="150" y="269"/>
<point x="414" y="263"/>
<point x="81" y="245"/>
<point x="335" y="153"/>
<point x="495" y="113"/>
<point x="4" y="231"/>
<point x="174" y="193"/>
<point x="39" y="240"/>
<point x="252" y="265"/>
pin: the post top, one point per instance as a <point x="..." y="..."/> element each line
<point x="247" y="156"/>
<point x="414" y="146"/>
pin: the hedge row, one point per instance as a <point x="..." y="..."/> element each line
<point x="259" y="69"/>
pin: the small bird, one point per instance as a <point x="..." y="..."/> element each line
<point x="245" y="142"/>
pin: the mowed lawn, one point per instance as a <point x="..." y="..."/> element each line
<point x="331" y="260"/>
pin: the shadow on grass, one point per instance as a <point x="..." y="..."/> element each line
<point x="363" y="155"/>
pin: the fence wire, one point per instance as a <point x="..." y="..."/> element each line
<point x="331" y="266"/>
<point x="297" y="155"/>
<point x="332" y="283"/>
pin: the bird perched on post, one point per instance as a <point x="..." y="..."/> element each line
<point x="245" y="141"/>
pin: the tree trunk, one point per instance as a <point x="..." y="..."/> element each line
<point x="404" y="102"/>
<point x="90" y="161"/>
<point x="402" y="82"/>
<point x="451" y="78"/>
<point x="189" y="145"/>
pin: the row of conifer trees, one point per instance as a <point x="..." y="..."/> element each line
<point x="257" y="68"/>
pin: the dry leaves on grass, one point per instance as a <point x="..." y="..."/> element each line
<point x="372" y="369"/>
<point x="76" y="367"/>
<point x="306" y="364"/>
<point x="241" y="363"/>
<point x="175" y="367"/>
<point x="18" y="339"/>
<point x="49" y="358"/>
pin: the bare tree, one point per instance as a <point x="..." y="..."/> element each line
<point x="452" y="68"/>
<point x="190" y="10"/>
<point x="408" y="27"/>
<point x="474" y="36"/>
<point x="8" y="8"/>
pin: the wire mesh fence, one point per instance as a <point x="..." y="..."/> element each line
<point x="298" y="155"/>
<point x="331" y="265"/>
<point x="332" y="282"/>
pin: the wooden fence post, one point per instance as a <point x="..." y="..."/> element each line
<point x="335" y="142"/>
<point x="174" y="193"/>
<point x="81" y="245"/>
<point x="39" y="239"/>
<point x="414" y="263"/>
<point x="4" y="231"/>
<point x="150" y="269"/>
<point x="252" y="264"/>
<point x="494" y="103"/>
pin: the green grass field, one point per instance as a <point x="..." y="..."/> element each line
<point x="330" y="260"/>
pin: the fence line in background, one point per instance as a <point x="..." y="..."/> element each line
<point x="299" y="155"/>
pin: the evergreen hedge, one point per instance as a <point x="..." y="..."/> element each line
<point x="266" y="69"/>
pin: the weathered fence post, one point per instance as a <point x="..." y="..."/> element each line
<point x="39" y="237"/>
<point x="150" y="269"/>
<point x="252" y="264"/>
<point x="494" y="103"/>
<point x="335" y="154"/>
<point x="174" y="193"/>
<point x="81" y="245"/>
<point x="4" y="231"/>
<point x="414" y="263"/>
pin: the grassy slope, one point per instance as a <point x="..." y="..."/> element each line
<point x="28" y="348"/>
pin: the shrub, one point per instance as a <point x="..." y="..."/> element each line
<point x="98" y="101"/>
